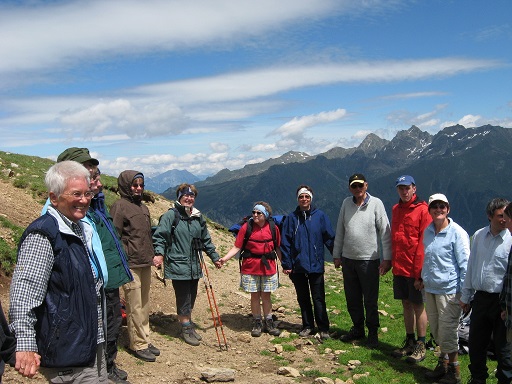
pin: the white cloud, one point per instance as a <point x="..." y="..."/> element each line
<point x="297" y="126"/>
<point x="219" y="147"/>
<point x="121" y="115"/>
<point x="62" y="33"/>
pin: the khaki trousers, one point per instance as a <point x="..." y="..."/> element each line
<point x="136" y="294"/>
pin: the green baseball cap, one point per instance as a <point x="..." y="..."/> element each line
<point x="80" y="155"/>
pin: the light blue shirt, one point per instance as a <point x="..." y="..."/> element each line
<point x="94" y="245"/>
<point x="487" y="263"/>
<point x="446" y="259"/>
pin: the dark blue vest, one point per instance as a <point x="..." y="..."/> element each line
<point x="67" y="320"/>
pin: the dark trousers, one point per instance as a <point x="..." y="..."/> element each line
<point x="307" y="284"/>
<point x="361" y="285"/>
<point x="486" y="321"/>
<point x="114" y="322"/>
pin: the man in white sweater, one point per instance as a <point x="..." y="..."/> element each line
<point x="362" y="240"/>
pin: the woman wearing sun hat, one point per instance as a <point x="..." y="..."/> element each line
<point x="444" y="268"/>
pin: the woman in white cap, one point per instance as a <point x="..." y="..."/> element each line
<point x="306" y="231"/>
<point x="444" y="268"/>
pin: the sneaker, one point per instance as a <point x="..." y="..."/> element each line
<point x="145" y="354"/>
<point x="306" y="332"/>
<point x="256" y="328"/>
<point x="324" y="335"/>
<point x="452" y="375"/>
<point x="406" y="350"/>
<point x="353" y="334"/>
<point x="476" y="381"/>
<point x="187" y="334"/>
<point x="123" y="375"/>
<point x="418" y="354"/>
<point x="372" y="341"/>
<point x="271" y="328"/>
<point x="439" y="371"/>
<point x="154" y="350"/>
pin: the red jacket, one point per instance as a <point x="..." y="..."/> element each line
<point x="408" y="221"/>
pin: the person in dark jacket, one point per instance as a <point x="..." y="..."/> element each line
<point x="182" y="264"/>
<point x="132" y="221"/>
<point x="57" y="308"/>
<point x="7" y="344"/>
<point x="118" y="273"/>
<point x="305" y="232"/>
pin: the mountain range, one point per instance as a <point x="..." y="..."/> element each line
<point x="168" y="180"/>
<point x="468" y="165"/>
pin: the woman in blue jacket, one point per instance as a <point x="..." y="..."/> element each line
<point x="305" y="232"/>
<point x="444" y="269"/>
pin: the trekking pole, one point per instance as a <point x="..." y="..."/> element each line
<point x="217" y="322"/>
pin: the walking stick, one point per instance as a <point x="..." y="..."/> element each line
<point x="217" y="322"/>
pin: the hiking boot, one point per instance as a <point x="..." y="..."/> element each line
<point x="324" y="335"/>
<point x="271" y="328"/>
<point x="439" y="371"/>
<point x="256" y="328"/>
<point x="187" y="334"/>
<point x="196" y="335"/>
<point x="418" y="354"/>
<point x="113" y="377"/>
<point x="306" y="332"/>
<point x="145" y="354"/>
<point x="406" y="350"/>
<point x="372" y="341"/>
<point x="154" y="350"/>
<point x="123" y="375"/>
<point x="353" y="334"/>
<point x="452" y="375"/>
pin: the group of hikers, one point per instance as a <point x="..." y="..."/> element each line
<point x="65" y="305"/>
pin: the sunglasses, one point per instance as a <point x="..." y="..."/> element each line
<point x="357" y="185"/>
<point x="257" y="213"/>
<point x="438" y="206"/>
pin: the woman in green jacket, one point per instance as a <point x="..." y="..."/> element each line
<point x="173" y="241"/>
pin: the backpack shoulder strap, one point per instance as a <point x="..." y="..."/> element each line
<point x="248" y="233"/>
<point x="272" y="224"/>
<point x="175" y="221"/>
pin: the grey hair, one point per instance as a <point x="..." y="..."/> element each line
<point x="494" y="204"/>
<point x="59" y="174"/>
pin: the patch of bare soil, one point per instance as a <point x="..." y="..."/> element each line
<point x="253" y="359"/>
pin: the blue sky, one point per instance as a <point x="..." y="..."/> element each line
<point x="213" y="84"/>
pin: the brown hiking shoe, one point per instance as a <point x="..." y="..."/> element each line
<point x="406" y="350"/>
<point x="439" y="371"/>
<point x="452" y="375"/>
<point x="418" y="354"/>
<point x="256" y="328"/>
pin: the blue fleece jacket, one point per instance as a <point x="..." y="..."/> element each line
<point x="303" y="236"/>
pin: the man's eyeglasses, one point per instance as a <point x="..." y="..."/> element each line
<point x="138" y="185"/>
<point x="78" y="196"/>
<point x="257" y="213"/>
<point x="305" y="197"/>
<point x="438" y="206"/>
<point x="356" y="185"/>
